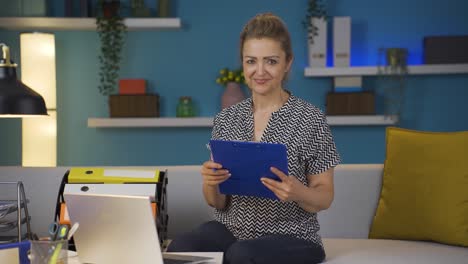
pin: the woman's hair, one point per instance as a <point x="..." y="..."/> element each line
<point x="270" y="26"/>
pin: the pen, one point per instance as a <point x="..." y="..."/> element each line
<point x="73" y="230"/>
<point x="53" y="259"/>
<point x="211" y="154"/>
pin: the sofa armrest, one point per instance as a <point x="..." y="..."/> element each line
<point x="357" y="191"/>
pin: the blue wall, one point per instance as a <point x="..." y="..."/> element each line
<point x="186" y="62"/>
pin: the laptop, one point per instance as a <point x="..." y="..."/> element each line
<point x="118" y="229"/>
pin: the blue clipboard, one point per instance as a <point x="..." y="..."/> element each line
<point x="248" y="162"/>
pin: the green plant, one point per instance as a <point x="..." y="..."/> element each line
<point x="393" y="72"/>
<point x="225" y="76"/>
<point x="111" y="30"/>
<point x="315" y="9"/>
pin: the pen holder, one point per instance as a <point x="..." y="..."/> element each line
<point x="49" y="252"/>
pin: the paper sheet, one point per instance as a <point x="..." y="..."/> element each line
<point x="9" y="255"/>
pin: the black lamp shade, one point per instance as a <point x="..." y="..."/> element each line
<point x="17" y="98"/>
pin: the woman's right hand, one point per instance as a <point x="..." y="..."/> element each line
<point x="213" y="174"/>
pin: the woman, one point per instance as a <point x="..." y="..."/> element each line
<point x="260" y="230"/>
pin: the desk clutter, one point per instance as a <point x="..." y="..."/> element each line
<point x="150" y="183"/>
<point x="13" y="216"/>
<point x="13" y="213"/>
<point x="18" y="244"/>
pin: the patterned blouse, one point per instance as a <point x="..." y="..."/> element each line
<point x="302" y="127"/>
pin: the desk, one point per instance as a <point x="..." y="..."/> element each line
<point x="217" y="256"/>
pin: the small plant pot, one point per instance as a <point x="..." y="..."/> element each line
<point x="185" y="107"/>
<point x="164" y="8"/>
<point x="396" y="57"/>
<point x="232" y="95"/>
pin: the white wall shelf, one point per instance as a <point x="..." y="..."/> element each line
<point x="357" y="120"/>
<point x="362" y="120"/>
<point x="373" y="70"/>
<point x="76" y="23"/>
<point x="151" y="122"/>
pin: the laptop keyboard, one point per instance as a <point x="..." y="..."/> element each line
<point x="175" y="261"/>
<point x="185" y="259"/>
<point x="180" y="261"/>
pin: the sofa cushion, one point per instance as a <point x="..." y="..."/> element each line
<point x="424" y="189"/>
<point x="371" y="251"/>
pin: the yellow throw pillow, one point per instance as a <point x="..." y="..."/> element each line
<point x="424" y="188"/>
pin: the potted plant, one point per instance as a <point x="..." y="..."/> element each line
<point x="397" y="60"/>
<point x="164" y="8"/>
<point x="393" y="72"/>
<point x="315" y="22"/>
<point x="231" y="80"/>
<point x="111" y="30"/>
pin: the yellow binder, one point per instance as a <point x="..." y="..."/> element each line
<point x="97" y="175"/>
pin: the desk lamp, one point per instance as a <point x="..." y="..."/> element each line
<point x="16" y="99"/>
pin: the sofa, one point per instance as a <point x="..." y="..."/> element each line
<point x="344" y="226"/>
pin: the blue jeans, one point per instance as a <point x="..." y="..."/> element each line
<point x="270" y="249"/>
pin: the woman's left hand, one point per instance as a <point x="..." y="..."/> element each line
<point x="287" y="189"/>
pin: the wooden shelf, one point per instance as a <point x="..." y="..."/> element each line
<point x="371" y="120"/>
<point x="76" y="23"/>
<point x="373" y="70"/>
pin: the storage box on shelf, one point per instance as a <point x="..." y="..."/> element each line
<point x="134" y="105"/>
<point x="352" y="103"/>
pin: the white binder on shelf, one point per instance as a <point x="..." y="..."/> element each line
<point x="341" y="41"/>
<point x="318" y="49"/>
<point x="348" y="81"/>
<point x="347" y="84"/>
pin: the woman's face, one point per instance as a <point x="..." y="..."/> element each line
<point x="264" y="64"/>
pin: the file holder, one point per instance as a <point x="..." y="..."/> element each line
<point x="92" y="178"/>
<point x="7" y="207"/>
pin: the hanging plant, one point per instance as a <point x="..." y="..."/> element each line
<point x="315" y="9"/>
<point x="394" y="72"/>
<point x="111" y="30"/>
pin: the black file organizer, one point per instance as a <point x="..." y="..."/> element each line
<point x="162" y="218"/>
<point x="18" y="206"/>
